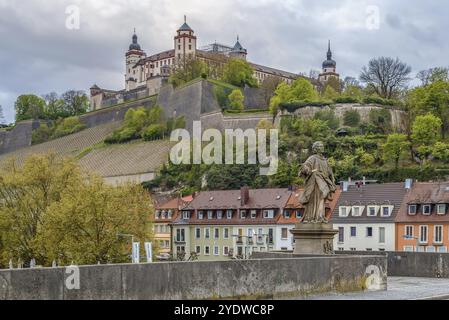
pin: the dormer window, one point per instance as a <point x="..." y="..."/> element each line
<point x="357" y="211"/>
<point x="210" y="215"/>
<point x="158" y="215"/>
<point x="386" y="211"/>
<point x="441" y="209"/>
<point x="268" y="214"/>
<point x="253" y="214"/>
<point x="344" y="211"/>
<point x="372" y="211"/>
<point x="243" y="214"/>
<point x="186" y="215"/>
<point x="219" y="215"/>
<point x="412" y="209"/>
<point x="287" y="214"/>
<point x="200" y="215"/>
<point x="426" y="209"/>
<point x="229" y="214"/>
<point x="170" y="214"/>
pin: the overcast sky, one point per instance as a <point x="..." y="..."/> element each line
<point x="39" y="54"/>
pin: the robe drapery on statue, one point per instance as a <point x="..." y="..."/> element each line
<point x="319" y="188"/>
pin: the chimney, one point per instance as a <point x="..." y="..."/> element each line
<point x="408" y="184"/>
<point x="244" y="195"/>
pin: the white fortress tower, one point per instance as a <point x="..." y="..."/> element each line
<point x="185" y="43"/>
<point x="133" y="56"/>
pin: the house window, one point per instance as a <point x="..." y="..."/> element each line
<point x="268" y="214"/>
<point x="158" y="215"/>
<point x="356" y="211"/>
<point x="260" y="236"/>
<point x="226" y="251"/>
<point x="442" y="249"/>
<point x="229" y="214"/>
<point x="180" y="249"/>
<point x="409" y="248"/>
<point x="287" y="214"/>
<point x="210" y="215"/>
<point x="423" y="234"/>
<point x="207" y="233"/>
<point x="386" y="211"/>
<point x="438" y="234"/>
<point x="243" y="214"/>
<point x="219" y="215"/>
<point x="353" y="231"/>
<point x="198" y="250"/>
<point x="200" y="215"/>
<point x="186" y="215"/>
<point x="409" y="231"/>
<point x="430" y="249"/>
<point x="253" y="214"/>
<point x="217" y="233"/>
<point x="412" y="209"/>
<point x="344" y="212"/>
<point x="381" y="235"/>
<point x="270" y="236"/>
<point x="369" y="232"/>
<point x="198" y="233"/>
<point x="284" y="234"/>
<point x="298" y="214"/>
<point x="372" y="211"/>
<point x="181" y="235"/>
<point x="341" y="235"/>
<point x="226" y="233"/>
<point x="441" y="209"/>
<point x="426" y="209"/>
<point x="207" y="251"/>
<point x="216" y="251"/>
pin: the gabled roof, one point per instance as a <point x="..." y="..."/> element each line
<point x="231" y="199"/>
<point x="423" y="193"/>
<point x="367" y="195"/>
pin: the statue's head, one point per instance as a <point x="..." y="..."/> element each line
<point x="318" y="147"/>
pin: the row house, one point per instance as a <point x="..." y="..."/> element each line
<point x="365" y="216"/>
<point x="220" y="225"/>
<point x="165" y="213"/>
<point x="423" y="221"/>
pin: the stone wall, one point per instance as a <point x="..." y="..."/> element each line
<point x="19" y="137"/>
<point x="398" y="117"/>
<point x="414" y="264"/>
<point x="216" y="120"/>
<point x="196" y="280"/>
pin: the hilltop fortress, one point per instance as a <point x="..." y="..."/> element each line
<point x="146" y="75"/>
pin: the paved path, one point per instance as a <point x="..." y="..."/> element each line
<point x="398" y="289"/>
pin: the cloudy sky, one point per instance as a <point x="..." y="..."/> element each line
<point x="39" y="54"/>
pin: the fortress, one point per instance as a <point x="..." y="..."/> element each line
<point x="145" y="75"/>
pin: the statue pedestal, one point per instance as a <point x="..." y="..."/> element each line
<point x="314" y="238"/>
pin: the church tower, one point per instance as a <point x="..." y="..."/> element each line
<point x="329" y="67"/>
<point x="133" y="56"/>
<point x="185" y="43"/>
<point x="238" y="52"/>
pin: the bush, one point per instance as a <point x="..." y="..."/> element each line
<point x="68" y="126"/>
<point x="42" y="134"/>
<point x="381" y="119"/>
<point x="236" y="100"/>
<point x="351" y="118"/>
<point x="295" y="105"/>
<point x="346" y="100"/>
<point x="154" y="132"/>
<point x="122" y="136"/>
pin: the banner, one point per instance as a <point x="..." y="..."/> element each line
<point x="136" y="252"/>
<point x="149" y="251"/>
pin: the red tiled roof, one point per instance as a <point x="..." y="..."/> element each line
<point x="425" y="193"/>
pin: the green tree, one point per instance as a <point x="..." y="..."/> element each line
<point x="330" y="93"/>
<point x="426" y="131"/>
<point x="51" y="210"/>
<point x="303" y="90"/>
<point x="396" y="148"/>
<point x="329" y="116"/>
<point x="29" y="107"/>
<point x="236" y="100"/>
<point x="75" y="102"/>
<point x="441" y="151"/>
<point x="239" y="73"/>
<point x="185" y="72"/>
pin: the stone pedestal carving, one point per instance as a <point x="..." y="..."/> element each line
<point x="314" y="238"/>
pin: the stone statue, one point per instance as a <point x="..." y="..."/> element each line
<point x="319" y="187"/>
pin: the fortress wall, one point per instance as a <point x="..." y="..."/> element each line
<point x="254" y="99"/>
<point x="19" y="137"/>
<point x="264" y="278"/>
<point x="399" y="117"/>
